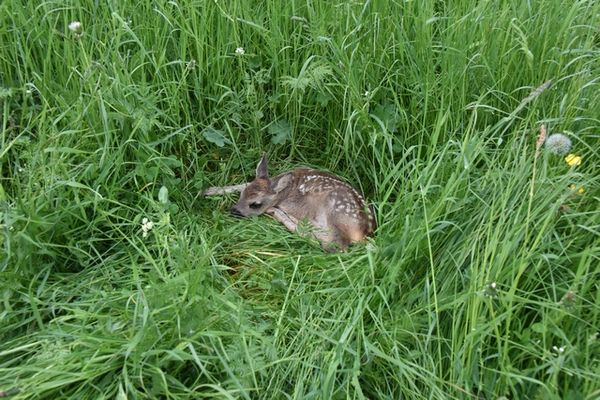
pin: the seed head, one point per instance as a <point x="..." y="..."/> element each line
<point x="540" y="140"/>
<point x="558" y="144"/>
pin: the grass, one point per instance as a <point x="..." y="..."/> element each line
<point x="480" y="282"/>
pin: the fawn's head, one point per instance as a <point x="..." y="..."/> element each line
<point x="260" y="194"/>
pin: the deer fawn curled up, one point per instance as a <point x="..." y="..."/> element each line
<point x="337" y="213"/>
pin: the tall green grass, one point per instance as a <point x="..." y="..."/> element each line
<point x="480" y="282"/>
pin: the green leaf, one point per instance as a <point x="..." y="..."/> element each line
<point x="539" y="328"/>
<point x="163" y="195"/>
<point x="215" y="136"/>
<point x="5" y="92"/>
<point x="388" y="115"/>
<point x="172" y="161"/>
<point x="323" y="99"/>
<point x="313" y="74"/>
<point x="280" y="131"/>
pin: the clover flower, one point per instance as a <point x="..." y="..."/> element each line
<point x="75" y="26"/>
<point x="558" y="144"/>
<point x="569" y="300"/>
<point x="147" y="226"/>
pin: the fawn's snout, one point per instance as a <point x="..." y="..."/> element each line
<point x="235" y="212"/>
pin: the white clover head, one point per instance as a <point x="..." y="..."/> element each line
<point x="76" y="27"/>
<point x="147" y="226"/>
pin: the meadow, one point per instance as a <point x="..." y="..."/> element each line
<point x="118" y="279"/>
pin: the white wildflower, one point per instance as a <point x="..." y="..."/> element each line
<point x="240" y="51"/>
<point x="76" y="27"/>
<point x="147" y="226"/>
<point x="490" y="290"/>
<point x="559" y="350"/>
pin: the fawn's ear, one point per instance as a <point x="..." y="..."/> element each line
<point x="281" y="183"/>
<point x="262" y="170"/>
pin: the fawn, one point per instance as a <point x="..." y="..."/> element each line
<point x="337" y="213"/>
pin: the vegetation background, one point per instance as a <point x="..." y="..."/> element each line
<point x="119" y="281"/>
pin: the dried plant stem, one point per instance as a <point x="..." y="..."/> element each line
<point x="540" y="140"/>
<point x="221" y="190"/>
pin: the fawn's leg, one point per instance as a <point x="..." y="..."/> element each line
<point x="290" y="222"/>
<point x="324" y="236"/>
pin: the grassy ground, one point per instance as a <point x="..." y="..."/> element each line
<point x="481" y="281"/>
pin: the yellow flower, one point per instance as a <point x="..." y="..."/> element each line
<point x="573" y="159"/>
<point x="581" y="189"/>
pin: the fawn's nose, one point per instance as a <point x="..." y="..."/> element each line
<point x="235" y="212"/>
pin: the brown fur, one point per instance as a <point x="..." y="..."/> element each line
<point x="337" y="213"/>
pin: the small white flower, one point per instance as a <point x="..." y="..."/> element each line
<point x="490" y="290"/>
<point x="240" y="51"/>
<point x="147" y="226"/>
<point x="367" y="93"/>
<point x="371" y="248"/>
<point x="75" y="26"/>
<point x="559" y="350"/>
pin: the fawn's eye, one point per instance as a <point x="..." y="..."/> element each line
<point x="255" y="205"/>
